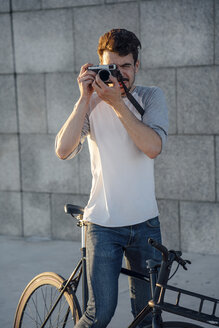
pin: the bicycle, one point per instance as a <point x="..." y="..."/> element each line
<point x="49" y="300"/>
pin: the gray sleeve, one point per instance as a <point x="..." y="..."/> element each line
<point x="156" y="112"/>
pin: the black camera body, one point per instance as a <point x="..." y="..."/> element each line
<point x="104" y="72"/>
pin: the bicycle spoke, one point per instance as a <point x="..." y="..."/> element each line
<point x="41" y="300"/>
<point x="35" y="305"/>
<point x="29" y="309"/>
<point x="44" y="299"/>
<point x="57" y="319"/>
<point x="32" y="319"/>
<point x="46" y="309"/>
<point x="60" y="304"/>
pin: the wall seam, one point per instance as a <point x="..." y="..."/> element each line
<point x="53" y="8"/>
<point x="17" y="114"/>
<point x="46" y="105"/>
<point x="215" y="167"/>
<point x="214" y="31"/>
<point x="179" y="225"/>
<point x="51" y="221"/>
<point x="74" y="41"/>
<point x="176" y="96"/>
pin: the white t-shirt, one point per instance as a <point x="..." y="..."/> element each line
<point x="123" y="190"/>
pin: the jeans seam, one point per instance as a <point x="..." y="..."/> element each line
<point x="130" y="237"/>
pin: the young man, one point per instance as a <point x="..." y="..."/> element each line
<point x="122" y="211"/>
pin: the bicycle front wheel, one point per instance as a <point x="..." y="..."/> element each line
<point x="177" y="324"/>
<point x="38" y="299"/>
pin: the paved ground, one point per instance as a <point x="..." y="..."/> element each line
<point x="22" y="259"/>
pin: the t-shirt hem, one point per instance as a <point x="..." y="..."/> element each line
<point x="113" y="225"/>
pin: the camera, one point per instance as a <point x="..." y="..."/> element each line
<point x="104" y="72"/>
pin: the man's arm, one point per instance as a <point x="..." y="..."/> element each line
<point x="144" y="137"/>
<point x="69" y="136"/>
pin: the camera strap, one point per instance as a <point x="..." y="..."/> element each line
<point x="132" y="99"/>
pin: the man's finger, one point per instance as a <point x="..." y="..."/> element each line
<point x="96" y="86"/>
<point x="100" y="82"/>
<point x="88" y="73"/>
<point x="85" y="67"/>
<point x="114" y="80"/>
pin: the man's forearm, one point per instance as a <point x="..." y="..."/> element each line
<point x="68" y="137"/>
<point x="145" y="138"/>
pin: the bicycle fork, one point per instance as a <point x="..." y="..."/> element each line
<point x="156" y="313"/>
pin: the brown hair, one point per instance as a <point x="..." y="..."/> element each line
<point x="120" y="41"/>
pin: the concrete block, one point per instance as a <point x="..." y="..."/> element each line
<point x="62" y="93"/>
<point x="85" y="170"/>
<point x="6" y="53"/>
<point x="69" y="3"/>
<point x="99" y="20"/>
<point x="197" y="100"/>
<point x="4" y="6"/>
<point x="9" y="163"/>
<point x="177" y="33"/>
<point x="169" y="220"/>
<point x="31" y="103"/>
<point x="42" y="171"/>
<point x="8" y="122"/>
<point x="10" y="213"/>
<point x="200" y="227"/>
<point x="36" y="214"/>
<point x="26" y="4"/>
<point x="216" y="32"/>
<point x="217" y="166"/>
<point x="63" y="225"/>
<point x="165" y="79"/>
<point x="43" y="41"/>
<point x="186" y="169"/>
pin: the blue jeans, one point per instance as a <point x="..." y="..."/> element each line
<point x="105" y="247"/>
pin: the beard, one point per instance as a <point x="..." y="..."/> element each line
<point x="129" y="86"/>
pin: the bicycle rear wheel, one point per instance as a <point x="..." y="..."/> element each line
<point x="39" y="297"/>
<point x="177" y="324"/>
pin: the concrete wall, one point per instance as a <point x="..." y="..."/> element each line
<point x="42" y="45"/>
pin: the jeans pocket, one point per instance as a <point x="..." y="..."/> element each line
<point x="153" y="223"/>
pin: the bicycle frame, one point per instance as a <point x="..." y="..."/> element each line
<point x="157" y="304"/>
<point x="158" y="289"/>
<point x="84" y="274"/>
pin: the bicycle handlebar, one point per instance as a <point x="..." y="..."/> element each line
<point x="160" y="248"/>
<point x="165" y="253"/>
<point x="180" y="260"/>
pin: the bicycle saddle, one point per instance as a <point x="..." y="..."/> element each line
<point x="73" y="209"/>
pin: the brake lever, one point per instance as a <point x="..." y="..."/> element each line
<point x="183" y="263"/>
<point x="180" y="260"/>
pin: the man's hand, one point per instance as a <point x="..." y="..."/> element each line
<point x="85" y="80"/>
<point x="111" y="95"/>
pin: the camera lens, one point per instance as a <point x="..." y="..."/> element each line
<point x="104" y="75"/>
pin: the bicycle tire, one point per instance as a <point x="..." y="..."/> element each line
<point x="177" y="324"/>
<point x="38" y="298"/>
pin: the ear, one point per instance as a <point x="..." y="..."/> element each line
<point x="137" y="64"/>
